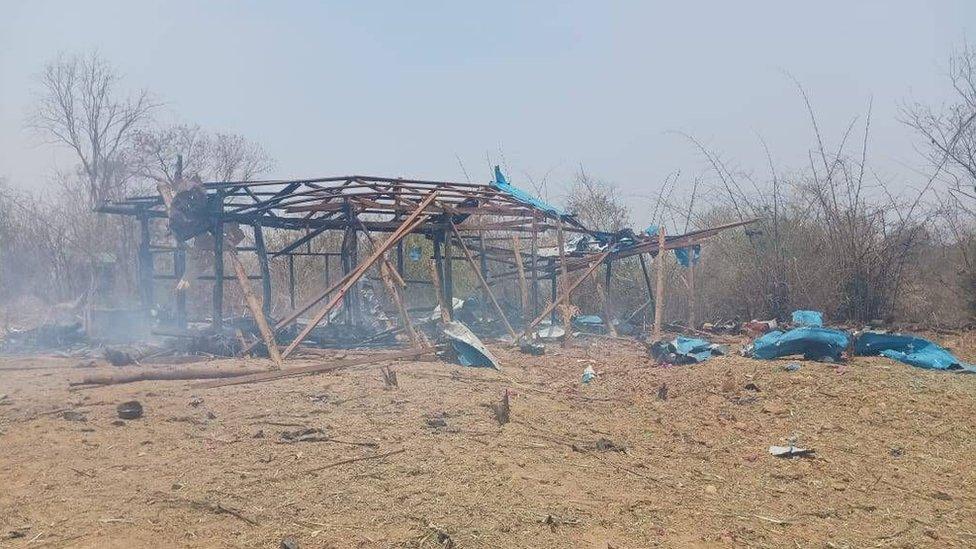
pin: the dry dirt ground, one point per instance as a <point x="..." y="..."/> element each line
<point x="209" y="468"/>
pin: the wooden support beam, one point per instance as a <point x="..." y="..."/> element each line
<point x="567" y="314"/>
<point x="254" y="305"/>
<point x="291" y="280"/>
<point x="435" y="279"/>
<point x="566" y="293"/>
<point x="691" y="293"/>
<point x="659" y="294"/>
<point x="484" y="283"/>
<point x="523" y="284"/>
<point x="412" y="221"/>
<point x="262" y="253"/>
<point x="448" y="280"/>
<point x="218" y="287"/>
<point x="179" y="271"/>
<point x="145" y="265"/>
<point x="415" y="337"/>
<point x="314" y="369"/>
<point x="533" y="265"/>
<point x="605" y="300"/>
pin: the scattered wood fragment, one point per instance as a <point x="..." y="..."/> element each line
<point x="167" y="374"/>
<point x="352" y="460"/>
<point x="207" y="505"/>
<point x="315" y="369"/>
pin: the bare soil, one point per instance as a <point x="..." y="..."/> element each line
<point x="609" y="464"/>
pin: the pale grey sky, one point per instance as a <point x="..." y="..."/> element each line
<point x="407" y="88"/>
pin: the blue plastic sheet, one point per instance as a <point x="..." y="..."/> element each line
<point x="909" y="349"/>
<point x="503" y="185"/>
<point x="685" y="256"/>
<point x="689" y="255"/>
<point x="814" y="343"/>
<point x="807" y="318"/>
<point x="698" y="349"/>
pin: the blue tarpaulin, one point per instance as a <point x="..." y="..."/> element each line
<point x="685" y="256"/>
<point x="686" y="350"/>
<point x="807" y="318"/>
<point x="699" y="349"/>
<point x="909" y="349"/>
<point x="814" y="343"/>
<point x="689" y="255"/>
<point x="503" y="185"/>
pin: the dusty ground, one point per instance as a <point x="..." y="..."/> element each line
<point x="893" y="465"/>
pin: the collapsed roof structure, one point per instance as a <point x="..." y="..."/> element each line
<point x="380" y="212"/>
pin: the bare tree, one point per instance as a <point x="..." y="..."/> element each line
<point x="949" y="132"/>
<point x="217" y="157"/>
<point x="596" y="204"/>
<point x="80" y="105"/>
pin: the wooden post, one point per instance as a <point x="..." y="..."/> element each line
<point x="533" y="261"/>
<point x="145" y="264"/>
<point x="523" y="285"/>
<point x="438" y="260"/>
<point x="691" y="292"/>
<point x="607" y="313"/>
<point x="659" y="294"/>
<point x="483" y="259"/>
<point x="566" y="293"/>
<point x="218" y="287"/>
<point x="567" y="315"/>
<point x="448" y="273"/>
<point x="435" y="280"/>
<point x="647" y="276"/>
<point x="417" y="339"/>
<point x="483" y="282"/>
<point x="399" y="258"/>
<point x="179" y="269"/>
<point x="254" y="304"/>
<point x="262" y="254"/>
<point x="291" y="280"/>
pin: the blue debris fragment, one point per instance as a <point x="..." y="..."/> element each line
<point x="470" y="350"/>
<point x="686" y="350"/>
<point x="689" y="255"/>
<point x="503" y="185"/>
<point x="807" y="318"/>
<point x="912" y="350"/>
<point x="814" y="343"/>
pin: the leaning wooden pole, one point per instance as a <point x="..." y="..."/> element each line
<point x="659" y="294"/>
<point x="607" y="313"/>
<point x="566" y="293"/>
<point x="566" y="314"/>
<point x="691" y="292"/>
<point x="523" y="284"/>
<point x="409" y="224"/>
<point x="482" y="281"/>
<point x="435" y="280"/>
<point x="254" y="304"/>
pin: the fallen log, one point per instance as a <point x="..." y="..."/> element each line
<point x="167" y="374"/>
<point x="315" y="369"/>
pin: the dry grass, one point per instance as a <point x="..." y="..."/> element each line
<point x="893" y="464"/>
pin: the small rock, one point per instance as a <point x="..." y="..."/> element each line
<point x="711" y="489"/>
<point x="752" y="387"/>
<point x="259" y="434"/>
<point x="942" y="496"/>
<point x="662" y="392"/>
<point x="196" y="401"/>
<point x="289" y="543"/>
<point x="792" y="367"/>
<point x="607" y="445"/>
<point x="71" y="415"/>
<point x="118" y="423"/>
<point x="436" y="422"/>
<point x="129" y="410"/>
<point x="931" y="533"/>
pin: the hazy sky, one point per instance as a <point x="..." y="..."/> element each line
<point x="407" y="88"/>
